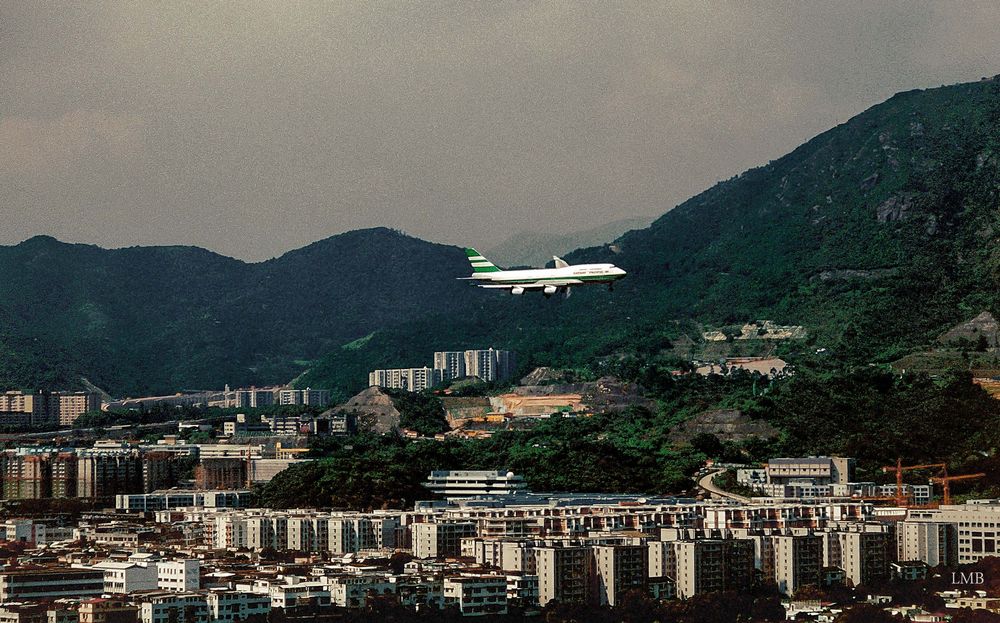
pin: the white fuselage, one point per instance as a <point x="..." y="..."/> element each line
<point x="559" y="277"/>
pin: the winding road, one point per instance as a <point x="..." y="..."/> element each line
<point x="706" y="484"/>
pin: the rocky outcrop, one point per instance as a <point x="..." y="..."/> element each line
<point x="545" y="376"/>
<point x="895" y="208"/>
<point x="981" y="330"/>
<point x="847" y="274"/>
<point x="726" y="424"/>
<point x="374" y="410"/>
<point x="868" y="183"/>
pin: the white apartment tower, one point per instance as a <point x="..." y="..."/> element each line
<point x="410" y="379"/>
<point x="490" y="365"/>
<point x="451" y="363"/>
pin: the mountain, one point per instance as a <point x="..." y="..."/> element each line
<point x="876" y="236"/>
<point x="160" y="319"/>
<point x="529" y="248"/>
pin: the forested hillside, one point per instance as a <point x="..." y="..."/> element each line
<point x="161" y="319"/>
<point x="876" y="236"/>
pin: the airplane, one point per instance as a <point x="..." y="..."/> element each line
<point x="548" y="280"/>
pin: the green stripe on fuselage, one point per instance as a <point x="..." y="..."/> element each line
<point x="567" y="278"/>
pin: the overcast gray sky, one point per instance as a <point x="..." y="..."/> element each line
<point x="252" y="129"/>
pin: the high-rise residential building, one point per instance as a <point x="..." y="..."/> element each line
<point x="451" y="363"/>
<point x="64" y="475"/>
<point x="865" y="556"/>
<point x="490" y="365"/>
<point x="710" y="565"/>
<point x="437" y="540"/>
<point x="563" y="574"/>
<point x="307" y="396"/>
<point x="617" y="569"/>
<point x="798" y="560"/>
<point x="255" y="398"/>
<point x="410" y="379"/>
<point x="932" y="542"/>
<point x="102" y="471"/>
<point x="108" y="472"/>
<point x="160" y="470"/>
<point x="28" y="476"/>
<point x="33" y="408"/>
<point x="46" y="408"/>
<point x="72" y="405"/>
<point x="222" y="473"/>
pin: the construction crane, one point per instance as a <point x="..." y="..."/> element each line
<point x="945" y="480"/>
<point x="899" y="468"/>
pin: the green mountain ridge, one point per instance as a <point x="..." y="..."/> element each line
<point x="160" y="319"/>
<point x="877" y="235"/>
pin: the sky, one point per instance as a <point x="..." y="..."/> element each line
<point x="255" y="128"/>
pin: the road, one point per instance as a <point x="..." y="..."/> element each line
<point x="707" y="485"/>
<point x="132" y="429"/>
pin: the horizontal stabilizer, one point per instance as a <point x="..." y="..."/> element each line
<point x="560" y="263"/>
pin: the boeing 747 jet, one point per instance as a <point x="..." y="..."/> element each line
<point x="547" y="280"/>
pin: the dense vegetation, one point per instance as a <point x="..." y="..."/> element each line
<point x="869" y="413"/>
<point x="421" y="412"/>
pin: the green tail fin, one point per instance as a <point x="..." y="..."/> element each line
<point x="479" y="263"/>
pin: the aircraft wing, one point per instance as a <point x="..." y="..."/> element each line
<point x="538" y="285"/>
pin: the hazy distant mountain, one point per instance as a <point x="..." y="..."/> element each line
<point x="536" y="248"/>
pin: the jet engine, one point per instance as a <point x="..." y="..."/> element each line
<point x="549" y="290"/>
<point x="517" y="290"/>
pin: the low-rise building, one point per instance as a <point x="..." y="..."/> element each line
<point x="457" y="484"/>
<point x="354" y="591"/>
<point x="977" y="524"/>
<point x="48" y="584"/>
<point x="477" y="595"/>
<point x="103" y="610"/>
<point x="122" y="578"/>
<point x="170" y="607"/>
<point x="229" y="606"/>
<point x="179" y="576"/>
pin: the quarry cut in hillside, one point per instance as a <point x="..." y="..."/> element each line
<point x="726" y="424"/>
